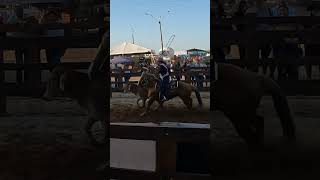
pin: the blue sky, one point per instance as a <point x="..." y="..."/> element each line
<point x="189" y="20"/>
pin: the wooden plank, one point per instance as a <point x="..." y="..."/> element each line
<point x="301" y="61"/>
<point x="222" y="38"/>
<point x="192" y="176"/>
<point x="304" y="20"/>
<point x="3" y="96"/>
<point x="166" y="156"/>
<point x="33" y="27"/>
<point x="156" y="133"/>
<point x="123" y="174"/>
<point x="204" y="89"/>
<point x="89" y="41"/>
<point x="43" y="66"/>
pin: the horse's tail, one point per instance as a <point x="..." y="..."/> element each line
<point x="281" y="105"/>
<point x="196" y="91"/>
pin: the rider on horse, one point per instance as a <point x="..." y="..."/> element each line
<point x="164" y="79"/>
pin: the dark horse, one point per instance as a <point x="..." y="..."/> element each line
<point x="238" y="93"/>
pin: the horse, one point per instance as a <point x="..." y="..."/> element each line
<point x="182" y="90"/>
<point x="90" y="95"/>
<point x="139" y="91"/>
<point x="238" y="92"/>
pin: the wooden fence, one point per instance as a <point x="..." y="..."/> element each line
<point x="73" y="38"/>
<point x="250" y="38"/>
<point x="118" y="82"/>
<point x="166" y="138"/>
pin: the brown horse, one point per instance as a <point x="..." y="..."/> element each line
<point x="238" y="93"/>
<point x="139" y="91"/>
<point x="182" y="90"/>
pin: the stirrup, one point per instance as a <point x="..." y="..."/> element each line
<point x="163" y="98"/>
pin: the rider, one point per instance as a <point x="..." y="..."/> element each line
<point x="164" y="77"/>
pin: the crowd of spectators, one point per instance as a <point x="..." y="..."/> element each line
<point x="282" y="55"/>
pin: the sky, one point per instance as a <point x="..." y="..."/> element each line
<point x="188" y="20"/>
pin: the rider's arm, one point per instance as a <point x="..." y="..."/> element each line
<point x="163" y="70"/>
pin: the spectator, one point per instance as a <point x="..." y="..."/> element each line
<point x="127" y="73"/>
<point x="286" y="47"/>
<point x="219" y="13"/>
<point x="177" y="69"/>
<point x="24" y="55"/>
<point x="262" y="10"/>
<point x="312" y="49"/>
<point x="53" y="55"/>
<point x="241" y="11"/>
<point x="16" y="17"/>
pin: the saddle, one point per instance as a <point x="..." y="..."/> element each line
<point x="173" y="84"/>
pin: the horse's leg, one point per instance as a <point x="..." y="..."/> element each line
<point x="190" y="99"/>
<point x="88" y="127"/>
<point x="245" y="129"/>
<point x="159" y="106"/>
<point x="150" y="102"/>
<point x="187" y="101"/>
<point x="144" y="102"/>
<point x="139" y="99"/>
<point x="259" y="125"/>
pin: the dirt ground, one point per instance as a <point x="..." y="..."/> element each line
<point x="124" y="109"/>
<point x="229" y="154"/>
<point x="46" y="140"/>
<point x="278" y="158"/>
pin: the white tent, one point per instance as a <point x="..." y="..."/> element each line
<point x="178" y="53"/>
<point x="129" y="48"/>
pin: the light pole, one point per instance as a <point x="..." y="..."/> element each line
<point x="159" y="21"/>
<point x="132" y="31"/>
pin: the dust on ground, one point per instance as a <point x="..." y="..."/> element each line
<point x="124" y="109"/>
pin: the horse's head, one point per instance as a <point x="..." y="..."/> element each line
<point x="148" y="80"/>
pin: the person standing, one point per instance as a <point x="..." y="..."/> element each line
<point x="241" y="12"/>
<point x="219" y="53"/>
<point x="164" y="79"/>
<point x="262" y="10"/>
<point x="287" y="47"/>
<point x="53" y="55"/>
<point x="16" y="17"/>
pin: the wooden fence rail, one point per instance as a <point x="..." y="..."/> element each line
<point x="186" y="74"/>
<point x="166" y="138"/>
<point x="71" y="39"/>
<point x="251" y="38"/>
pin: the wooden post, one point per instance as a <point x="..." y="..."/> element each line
<point x="166" y="157"/>
<point x="19" y="60"/>
<point x="252" y="51"/>
<point x="3" y="96"/>
<point x="33" y="75"/>
<point x="3" y="91"/>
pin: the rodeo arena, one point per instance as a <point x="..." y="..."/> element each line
<point x="260" y="49"/>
